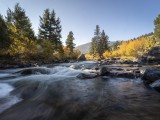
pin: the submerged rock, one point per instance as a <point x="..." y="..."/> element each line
<point x="30" y="71"/>
<point x="25" y="89"/>
<point x="156" y="85"/>
<point x="86" y="75"/>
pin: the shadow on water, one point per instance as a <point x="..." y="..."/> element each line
<point x="74" y="99"/>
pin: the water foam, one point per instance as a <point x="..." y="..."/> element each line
<point x="6" y="99"/>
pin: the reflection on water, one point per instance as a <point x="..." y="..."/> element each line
<point x="61" y="96"/>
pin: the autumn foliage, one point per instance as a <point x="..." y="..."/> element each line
<point x="131" y="48"/>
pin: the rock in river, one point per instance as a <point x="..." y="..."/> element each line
<point x="104" y="71"/>
<point x="151" y="75"/>
<point x="75" y="67"/>
<point x="123" y="74"/>
<point x="86" y="75"/>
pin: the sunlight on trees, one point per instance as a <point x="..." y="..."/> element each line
<point x="18" y="41"/>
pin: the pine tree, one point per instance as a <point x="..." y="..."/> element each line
<point x="22" y="23"/>
<point x="4" y="34"/>
<point x="103" y="44"/>
<point x="97" y="32"/>
<point x="50" y="29"/>
<point x="93" y="49"/>
<point x="157" y="28"/>
<point x="99" y="43"/>
<point x="69" y="42"/>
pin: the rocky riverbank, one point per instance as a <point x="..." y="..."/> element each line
<point x="149" y="73"/>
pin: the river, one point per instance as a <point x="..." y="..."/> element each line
<point x="54" y="92"/>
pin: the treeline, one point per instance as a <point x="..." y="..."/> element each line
<point x="18" y="41"/>
<point x="130" y="49"/>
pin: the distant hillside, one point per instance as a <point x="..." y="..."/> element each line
<point x="84" y="48"/>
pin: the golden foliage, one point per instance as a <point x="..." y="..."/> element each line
<point x="131" y="49"/>
<point x="106" y="54"/>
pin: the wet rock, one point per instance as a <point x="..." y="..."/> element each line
<point x="142" y="59"/>
<point x="119" y="69"/>
<point x="137" y="72"/>
<point x="86" y="75"/>
<point x="95" y="68"/>
<point x="90" y="71"/>
<point x="81" y="57"/>
<point x="156" y="85"/>
<point x="123" y="74"/>
<point x="30" y="71"/>
<point x="104" y="71"/>
<point x="127" y="62"/>
<point x="151" y="75"/>
<point x="88" y="66"/>
<point x="75" y="67"/>
<point x="138" y="65"/>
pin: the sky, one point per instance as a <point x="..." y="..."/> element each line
<point x="120" y="19"/>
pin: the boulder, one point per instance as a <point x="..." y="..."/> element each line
<point x="104" y="71"/>
<point x="128" y="62"/>
<point x="142" y="59"/>
<point x="123" y="74"/>
<point x="153" y="56"/>
<point x="156" y="85"/>
<point x="151" y="75"/>
<point x="81" y="57"/>
<point x="86" y="75"/>
<point x="90" y="71"/>
<point x="75" y="67"/>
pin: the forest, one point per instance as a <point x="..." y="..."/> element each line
<point x="19" y="43"/>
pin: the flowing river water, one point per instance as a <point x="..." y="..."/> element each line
<point x="54" y="92"/>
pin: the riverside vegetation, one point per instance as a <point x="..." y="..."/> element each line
<point x="19" y="43"/>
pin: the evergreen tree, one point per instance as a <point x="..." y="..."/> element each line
<point x="103" y="44"/>
<point x="4" y="34"/>
<point x="99" y="43"/>
<point x="97" y="32"/>
<point x="50" y="29"/>
<point x="93" y="49"/>
<point x="157" y="28"/>
<point x="22" y="23"/>
<point x="69" y="42"/>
